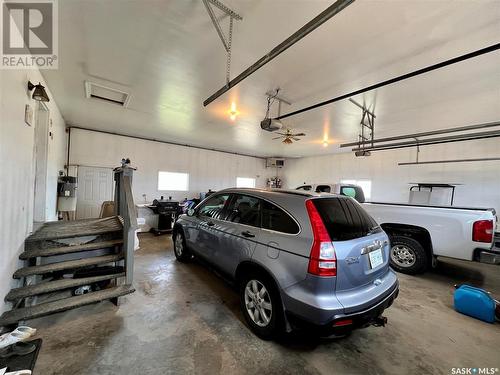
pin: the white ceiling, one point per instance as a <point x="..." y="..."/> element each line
<point x="168" y="56"/>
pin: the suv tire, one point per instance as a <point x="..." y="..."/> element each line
<point x="407" y="255"/>
<point x="261" y="305"/>
<point x="181" y="252"/>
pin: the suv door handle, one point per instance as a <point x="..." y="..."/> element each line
<point x="248" y="234"/>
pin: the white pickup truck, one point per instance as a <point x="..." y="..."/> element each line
<point x="420" y="233"/>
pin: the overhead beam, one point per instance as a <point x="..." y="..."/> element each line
<point x="415" y="73"/>
<point x="312" y="25"/>
<point x="425" y="134"/>
<point x="448" y="161"/>
<point x="433" y="141"/>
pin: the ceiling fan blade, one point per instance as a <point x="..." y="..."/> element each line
<point x="299" y="135"/>
<point x="279" y="137"/>
<point x="296" y="139"/>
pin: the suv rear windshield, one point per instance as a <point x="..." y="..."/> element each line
<point x="345" y="219"/>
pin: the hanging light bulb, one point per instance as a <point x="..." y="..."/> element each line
<point x="233" y="112"/>
<point x="326" y="126"/>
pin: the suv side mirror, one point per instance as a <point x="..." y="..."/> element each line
<point x="190" y="212"/>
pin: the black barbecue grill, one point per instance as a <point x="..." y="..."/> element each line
<point x="167" y="211"/>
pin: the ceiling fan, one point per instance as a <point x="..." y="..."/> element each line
<point x="289" y="136"/>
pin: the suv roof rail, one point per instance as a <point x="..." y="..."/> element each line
<point x="294" y="192"/>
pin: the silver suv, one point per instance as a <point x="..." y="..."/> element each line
<point x="301" y="259"/>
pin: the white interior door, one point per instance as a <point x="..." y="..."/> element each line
<point x="95" y="185"/>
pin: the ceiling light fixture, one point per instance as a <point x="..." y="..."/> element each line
<point x="39" y="94"/>
<point x="325" y="143"/>
<point x="233" y="112"/>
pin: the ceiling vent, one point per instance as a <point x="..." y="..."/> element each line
<point x="107" y="94"/>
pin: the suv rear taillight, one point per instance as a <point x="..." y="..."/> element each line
<point x="322" y="261"/>
<point x="482" y="231"/>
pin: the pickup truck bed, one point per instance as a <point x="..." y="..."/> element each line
<point x="420" y="231"/>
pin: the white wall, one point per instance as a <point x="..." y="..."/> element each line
<point x="17" y="168"/>
<point x="207" y="169"/>
<point x="481" y="180"/>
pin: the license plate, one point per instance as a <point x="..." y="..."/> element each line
<point x="375" y="258"/>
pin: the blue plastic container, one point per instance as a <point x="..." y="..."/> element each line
<point x="475" y="302"/>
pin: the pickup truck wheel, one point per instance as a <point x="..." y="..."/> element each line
<point x="407" y="255"/>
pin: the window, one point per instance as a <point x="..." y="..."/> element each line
<point x="323" y="189"/>
<point x="353" y="191"/>
<point x="214" y="207"/>
<point x="345" y="219"/>
<point x="348" y="182"/>
<point x="172" y="181"/>
<point x="245" y="182"/>
<point x="244" y="210"/>
<point x="274" y="218"/>
<point x="366" y="185"/>
<point x="348" y="191"/>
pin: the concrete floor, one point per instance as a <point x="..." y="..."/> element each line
<point x="183" y="319"/>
